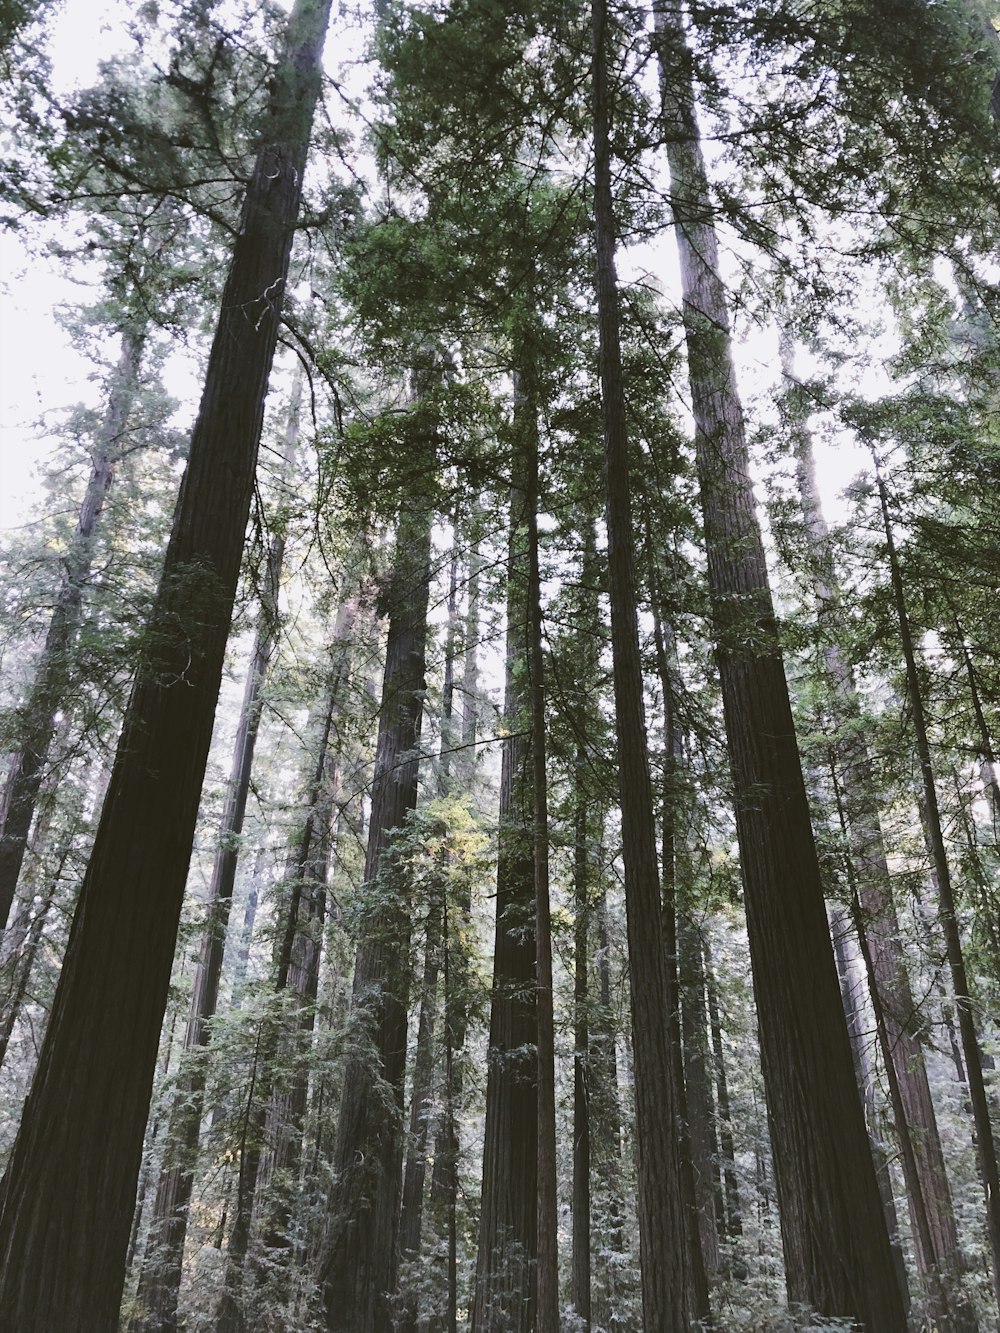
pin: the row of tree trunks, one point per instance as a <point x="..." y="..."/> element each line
<point x="70" y="1187"/>
<point x="837" y="1254"/>
<point x="454" y="967"/>
<point x="296" y="959"/>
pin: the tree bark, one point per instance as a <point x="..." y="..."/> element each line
<point x="837" y="1254"/>
<point x="661" y="1210"/>
<point x="70" y="1186"/>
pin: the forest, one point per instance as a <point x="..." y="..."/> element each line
<point x="500" y="816"/>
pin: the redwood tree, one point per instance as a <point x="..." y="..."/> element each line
<point x="837" y="1254"/>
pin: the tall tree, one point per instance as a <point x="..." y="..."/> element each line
<point x="662" y="1218"/>
<point x="837" y="1254"/>
<point x="69" y="1188"/>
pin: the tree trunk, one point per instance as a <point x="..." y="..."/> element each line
<point x="581" y="1054"/>
<point x="359" y="1268"/>
<point x="52" y="678"/>
<point x="505" y="1268"/>
<point x="698" y="1226"/>
<point x="160" y="1279"/>
<point x="70" y="1185"/>
<point x="700" y="1103"/>
<point x="661" y="1212"/>
<point x="837" y="1254"/>
<point x="985" y="1145"/>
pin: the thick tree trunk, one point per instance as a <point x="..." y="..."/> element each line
<point x="359" y="1268"/>
<point x="70" y="1185"/>
<point x="159" y="1282"/>
<point x="505" y="1268"/>
<point x="877" y="921"/>
<point x="985" y="1144"/>
<point x="52" y="677"/>
<point x="662" y="1219"/>
<point x="837" y="1254"/>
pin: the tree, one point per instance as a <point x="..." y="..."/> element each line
<point x="69" y="1188"/>
<point x="837" y="1254"/>
<point x="662" y="1220"/>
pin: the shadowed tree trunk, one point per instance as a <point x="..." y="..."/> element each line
<point x="70" y="1186"/>
<point x="661" y="1212"/>
<point x="359" y="1267"/>
<point x="837" y="1254"/>
<point x="850" y="989"/>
